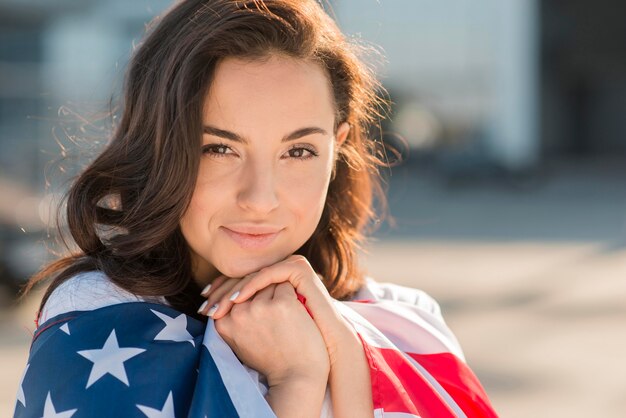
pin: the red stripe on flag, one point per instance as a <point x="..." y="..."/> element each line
<point x="459" y="381"/>
<point x="397" y="386"/>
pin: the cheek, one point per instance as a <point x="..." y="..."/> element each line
<point x="211" y="186"/>
<point x="198" y="205"/>
<point x="201" y="207"/>
<point x="305" y="195"/>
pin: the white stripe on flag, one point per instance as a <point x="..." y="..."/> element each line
<point x="379" y="413"/>
<point x="244" y="392"/>
<point x="457" y="409"/>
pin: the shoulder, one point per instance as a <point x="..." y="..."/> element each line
<point x="85" y="292"/>
<point x="409" y="317"/>
<point x="377" y="291"/>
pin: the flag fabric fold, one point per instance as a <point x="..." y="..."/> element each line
<point x="142" y="359"/>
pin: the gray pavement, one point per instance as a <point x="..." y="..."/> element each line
<point x="529" y="274"/>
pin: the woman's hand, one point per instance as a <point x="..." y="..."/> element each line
<point x="349" y="377"/>
<point x="297" y="271"/>
<point x="272" y="333"/>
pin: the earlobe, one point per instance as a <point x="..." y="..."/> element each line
<point x="342" y="133"/>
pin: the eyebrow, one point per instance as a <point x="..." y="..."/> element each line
<point x="212" y="130"/>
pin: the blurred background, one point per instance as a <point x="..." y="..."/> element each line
<point x="510" y="206"/>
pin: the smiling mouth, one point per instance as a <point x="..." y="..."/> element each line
<point x="251" y="241"/>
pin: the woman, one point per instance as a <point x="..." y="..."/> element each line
<point x="238" y="184"/>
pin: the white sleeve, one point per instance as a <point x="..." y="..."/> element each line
<point x="390" y="291"/>
<point x="86" y="292"/>
<point x="412" y="307"/>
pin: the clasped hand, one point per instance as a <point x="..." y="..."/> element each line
<point x="269" y="329"/>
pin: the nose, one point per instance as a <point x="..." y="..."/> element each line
<point x="258" y="188"/>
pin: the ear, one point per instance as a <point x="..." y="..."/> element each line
<point x="342" y="133"/>
<point x="340" y="136"/>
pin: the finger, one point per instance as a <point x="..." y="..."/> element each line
<point x="224" y="288"/>
<point x="235" y="290"/>
<point x="224" y="302"/>
<point x="274" y="274"/>
<point x="217" y="294"/>
<point x="298" y="272"/>
<point x="217" y="282"/>
<point x="267" y="293"/>
<point x="227" y="306"/>
<point x="214" y="284"/>
<point x="284" y="290"/>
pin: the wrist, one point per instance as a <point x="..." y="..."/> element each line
<point x="297" y="397"/>
<point x="350" y="379"/>
<point x="311" y="376"/>
<point x="345" y="343"/>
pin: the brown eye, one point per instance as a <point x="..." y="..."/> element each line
<point x="300" y="153"/>
<point x="216" y="150"/>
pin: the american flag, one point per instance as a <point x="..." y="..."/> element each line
<point x="142" y="359"/>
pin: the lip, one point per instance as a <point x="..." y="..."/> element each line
<point x="252" y="229"/>
<point x="251" y="241"/>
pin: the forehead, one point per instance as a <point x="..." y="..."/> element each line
<point x="277" y="89"/>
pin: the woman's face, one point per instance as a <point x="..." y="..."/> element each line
<point x="267" y="157"/>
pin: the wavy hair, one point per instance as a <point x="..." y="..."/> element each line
<point x="124" y="209"/>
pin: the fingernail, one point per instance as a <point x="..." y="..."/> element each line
<point x="206" y="289"/>
<point x="234" y="295"/>
<point x="203" y="306"/>
<point x="212" y="310"/>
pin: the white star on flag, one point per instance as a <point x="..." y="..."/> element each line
<point x="175" y="328"/>
<point x="65" y="328"/>
<point x="49" y="412"/>
<point x="166" y="412"/>
<point x="20" y="393"/>
<point x="109" y="359"/>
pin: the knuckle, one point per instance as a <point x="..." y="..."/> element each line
<point x="283" y="308"/>
<point x="302" y="261"/>
<point x="257" y="307"/>
<point x="263" y="309"/>
<point x="221" y="326"/>
<point x="238" y="310"/>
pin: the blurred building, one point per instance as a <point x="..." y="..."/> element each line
<point x="509" y="83"/>
<point x="521" y="80"/>
<point x="54" y="53"/>
<point x="57" y="58"/>
<point x="583" y="77"/>
<point x="530" y="79"/>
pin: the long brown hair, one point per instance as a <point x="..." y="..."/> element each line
<point x="123" y="211"/>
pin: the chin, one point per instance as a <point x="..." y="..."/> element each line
<point x="240" y="266"/>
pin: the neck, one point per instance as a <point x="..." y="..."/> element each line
<point x="204" y="273"/>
